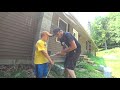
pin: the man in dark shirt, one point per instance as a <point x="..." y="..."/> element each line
<point x="71" y="48"/>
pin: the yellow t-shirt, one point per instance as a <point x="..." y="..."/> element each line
<point x="39" y="57"/>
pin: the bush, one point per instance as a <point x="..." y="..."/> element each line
<point x="89" y="55"/>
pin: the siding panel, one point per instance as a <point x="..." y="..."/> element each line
<point x="17" y="32"/>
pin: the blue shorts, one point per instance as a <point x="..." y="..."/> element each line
<point x="41" y="70"/>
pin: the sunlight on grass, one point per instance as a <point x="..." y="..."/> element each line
<point x="115" y="65"/>
<point x="112" y="59"/>
<point x="113" y="52"/>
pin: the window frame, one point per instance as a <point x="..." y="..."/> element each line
<point x="58" y="26"/>
<point x="75" y="33"/>
<point x="64" y="22"/>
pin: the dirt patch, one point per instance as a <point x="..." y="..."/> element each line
<point x="16" y="71"/>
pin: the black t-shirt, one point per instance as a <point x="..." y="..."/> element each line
<point x="67" y="38"/>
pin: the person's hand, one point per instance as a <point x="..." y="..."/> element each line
<point x="52" y="62"/>
<point x="58" y="53"/>
<point x="63" y="53"/>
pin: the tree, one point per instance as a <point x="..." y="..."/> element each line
<point x="106" y="30"/>
<point x="114" y="28"/>
<point x="99" y="31"/>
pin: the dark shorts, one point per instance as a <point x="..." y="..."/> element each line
<point x="41" y="70"/>
<point x="71" y="59"/>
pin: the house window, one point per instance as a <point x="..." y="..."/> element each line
<point x="89" y="46"/>
<point x="62" y="24"/>
<point x="75" y="33"/>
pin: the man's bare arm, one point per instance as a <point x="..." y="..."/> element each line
<point x="72" y="47"/>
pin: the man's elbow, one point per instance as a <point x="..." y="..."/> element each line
<point x="74" y="47"/>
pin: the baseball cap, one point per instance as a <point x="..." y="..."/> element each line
<point x="46" y="32"/>
<point x="55" y="31"/>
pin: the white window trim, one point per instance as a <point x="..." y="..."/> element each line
<point x="58" y="26"/>
<point x="64" y="22"/>
<point x="77" y="32"/>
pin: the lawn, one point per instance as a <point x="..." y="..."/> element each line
<point x="112" y="59"/>
<point x="82" y="70"/>
<point x="109" y="58"/>
<point x="86" y="70"/>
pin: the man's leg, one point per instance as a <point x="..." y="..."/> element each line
<point x="66" y="73"/>
<point x="71" y="73"/>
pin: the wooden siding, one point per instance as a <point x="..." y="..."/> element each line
<point x="17" y="32"/>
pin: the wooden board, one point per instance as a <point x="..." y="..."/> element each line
<point x="58" y="58"/>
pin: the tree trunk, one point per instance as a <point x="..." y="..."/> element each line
<point x="105" y="45"/>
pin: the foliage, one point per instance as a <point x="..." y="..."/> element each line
<point x="106" y="29"/>
<point x="86" y="70"/>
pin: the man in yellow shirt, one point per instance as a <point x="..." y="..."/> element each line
<point x="42" y="58"/>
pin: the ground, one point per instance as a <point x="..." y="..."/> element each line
<point x="111" y="59"/>
<point x="16" y="71"/>
<point x="84" y="68"/>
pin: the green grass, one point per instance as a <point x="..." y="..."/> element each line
<point x="111" y="58"/>
<point x="98" y="60"/>
<point x="114" y="52"/>
<point x="115" y="66"/>
<point x="86" y="70"/>
<point x="82" y="70"/>
<point x="88" y="74"/>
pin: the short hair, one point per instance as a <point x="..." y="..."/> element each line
<point x="42" y="34"/>
<point x="46" y="33"/>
